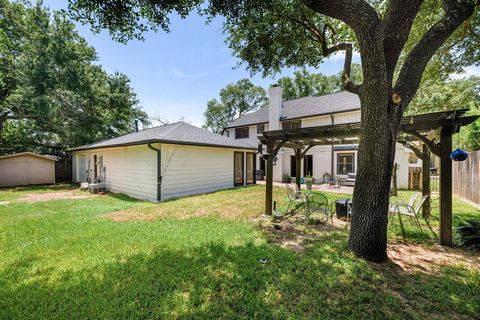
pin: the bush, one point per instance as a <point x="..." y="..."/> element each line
<point x="286" y="178"/>
<point x="468" y="233"/>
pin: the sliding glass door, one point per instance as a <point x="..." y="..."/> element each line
<point x="238" y="172"/>
<point x="250" y="168"/>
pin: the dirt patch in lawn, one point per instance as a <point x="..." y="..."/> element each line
<point x="429" y="259"/>
<point x="295" y="233"/>
<point x="64" y="195"/>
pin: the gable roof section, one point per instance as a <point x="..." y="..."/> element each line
<point x="175" y="133"/>
<point x="303" y="108"/>
<point x="51" y="158"/>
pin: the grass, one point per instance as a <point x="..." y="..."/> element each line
<point x="112" y="257"/>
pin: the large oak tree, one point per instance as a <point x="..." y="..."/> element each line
<point x="53" y="93"/>
<point x="236" y="99"/>
<point x="396" y="40"/>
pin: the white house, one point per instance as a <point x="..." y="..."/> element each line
<point x="166" y="161"/>
<point x="337" y="108"/>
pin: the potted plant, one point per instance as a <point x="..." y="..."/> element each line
<point x="308" y="181"/>
<point x="286" y="178"/>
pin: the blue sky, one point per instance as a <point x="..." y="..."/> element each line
<point x="176" y="73"/>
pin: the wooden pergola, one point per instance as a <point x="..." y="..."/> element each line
<point x="434" y="130"/>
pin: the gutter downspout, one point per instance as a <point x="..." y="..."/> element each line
<point x="159" y="170"/>
<point x="332" y="156"/>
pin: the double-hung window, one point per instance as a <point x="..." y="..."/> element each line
<point x="345" y="163"/>
<point x="241" y="133"/>
<point x="292" y="124"/>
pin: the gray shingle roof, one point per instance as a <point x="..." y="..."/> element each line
<point x="175" y="133"/>
<point x="304" y="107"/>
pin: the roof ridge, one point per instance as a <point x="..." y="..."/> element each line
<point x="159" y="126"/>
<point x="174" y="127"/>
<point x="130" y="133"/>
<point x="316" y="96"/>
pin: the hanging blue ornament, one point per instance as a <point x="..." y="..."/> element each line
<point x="459" y="155"/>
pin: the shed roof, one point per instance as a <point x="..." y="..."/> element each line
<point x="305" y="107"/>
<point x="28" y="153"/>
<point x="176" y="133"/>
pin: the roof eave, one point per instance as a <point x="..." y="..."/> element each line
<point x="137" y="143"/>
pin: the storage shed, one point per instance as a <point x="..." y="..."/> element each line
<point x="26" y="168"/>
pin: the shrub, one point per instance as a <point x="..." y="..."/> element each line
<point x="286" y="178"/>
<point x="468" y="233"/>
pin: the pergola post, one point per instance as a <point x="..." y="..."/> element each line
<point x="272" y="151"/>
<point x="445" y="186"/>
<point x="298" y="164"/>
<point x="425" y="179"/>
<point x="269" y="182"/>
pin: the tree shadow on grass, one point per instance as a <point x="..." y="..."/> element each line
<point x="216" y="281"/>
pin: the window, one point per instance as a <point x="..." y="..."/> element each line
<point x="260" y="128"/>
<point x="294" y="124"/>
<point x="241" y="133"/>
<point x="345" y="163"/>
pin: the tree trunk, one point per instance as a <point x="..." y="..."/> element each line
<point x="368" y="232"/>
<point x="376" y="153"/>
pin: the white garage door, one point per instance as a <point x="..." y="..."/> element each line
<point x="25" y="170"/>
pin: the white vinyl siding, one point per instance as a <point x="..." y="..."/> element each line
<point x="190" y="170"/>
<point x="252" y="134"/>
<point x="131" y="170"/>
<point x="316" y="121"/>
<point x="347" y="117"/>
<point x="186" y="170"/>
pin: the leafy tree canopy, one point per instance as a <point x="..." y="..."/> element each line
<point x="304" y="83"/>
<point x="53" y="95"/>
<point x="236" y="99"/>
<point x="438" y="95"/>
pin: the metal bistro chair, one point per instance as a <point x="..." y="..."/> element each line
<point x="410" y="210"/>
<point x="349" y="214"/>
<point x="296" y="199"/>
<point x="317" y="202"/>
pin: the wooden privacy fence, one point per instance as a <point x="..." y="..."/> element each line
<point x="63" y="170"/>
<point x="466" y="178"/>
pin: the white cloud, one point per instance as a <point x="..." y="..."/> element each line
<point x="468" y="72"/>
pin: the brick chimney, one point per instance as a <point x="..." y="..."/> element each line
<point x="275" y="98"/>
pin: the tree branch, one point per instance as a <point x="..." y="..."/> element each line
<point x="347" y="66"/>
<point x="398" y="22"/>
<point x="357" y="14"/>
<point x="456" y="12"/>
<point x="326" y="51"/>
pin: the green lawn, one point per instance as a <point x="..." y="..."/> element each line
<point x="112" y="257"/>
